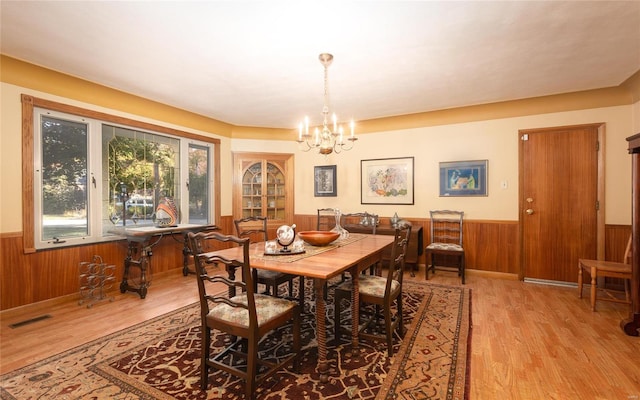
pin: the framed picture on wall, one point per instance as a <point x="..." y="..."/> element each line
<point x="463" y="178"/>
<point x="386" y="181"/>
<point x="325" y="183"/>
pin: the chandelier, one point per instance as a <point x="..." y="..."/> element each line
<point x="325" y="139"/>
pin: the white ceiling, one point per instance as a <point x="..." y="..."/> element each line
<point x="255" y="63"/>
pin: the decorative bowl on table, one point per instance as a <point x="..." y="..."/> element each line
<point x="318" y="238"/>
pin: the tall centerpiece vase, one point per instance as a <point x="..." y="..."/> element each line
<point x="338" y="228"/>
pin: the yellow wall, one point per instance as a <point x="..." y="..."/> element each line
<point x="493" y="140"/>
<point x="470" y="133"/>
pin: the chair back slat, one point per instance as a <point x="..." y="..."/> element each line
<point x="209" y="285"/>
<point x="446" y="226"/>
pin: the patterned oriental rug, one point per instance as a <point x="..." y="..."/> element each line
<point x="159" y="359"/>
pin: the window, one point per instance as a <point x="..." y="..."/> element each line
<point x="93" y="172"/>
<point x="141" y="170"/>
<point x="62" y="179"/>
<point x="199" y="183"/>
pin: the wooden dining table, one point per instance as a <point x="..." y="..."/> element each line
<point x="353" y="255"/>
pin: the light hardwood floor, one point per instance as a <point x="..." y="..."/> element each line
<point x="529" y="341"/>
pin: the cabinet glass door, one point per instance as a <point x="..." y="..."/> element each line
<point x="263" y="193"/>
<point x="275" y="199"/>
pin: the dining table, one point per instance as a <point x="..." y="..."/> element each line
<point x="321" y="263"/>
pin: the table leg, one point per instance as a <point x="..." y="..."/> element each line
<point x="143" y="262"/>
<point x="145" y="265"/>
<point x="323" y="365"/>
<point x="186" y="253"/>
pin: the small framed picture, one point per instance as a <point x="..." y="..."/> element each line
<point x="463" y="178"/>
<point x="325" y="182"/>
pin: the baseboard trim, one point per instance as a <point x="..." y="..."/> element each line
<point x="551" y="282"/>
<point x="473" y="272"/>
<point x="491" y="274"/>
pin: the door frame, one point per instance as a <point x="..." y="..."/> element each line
<point x="600" y="215"/>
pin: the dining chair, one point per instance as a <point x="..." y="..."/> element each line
<point x="446" y="240"/>
<point x="381" y="292"/>
<point x="602" y="269"/>
<point x="247" y="317"/>
<point x="363" y="222"/>
<point x="326" y="219"/>
<point x="255" y="228"/>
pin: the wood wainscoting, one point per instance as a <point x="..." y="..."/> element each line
<point x="491" y="247"/>
<point x="47" y="274"/>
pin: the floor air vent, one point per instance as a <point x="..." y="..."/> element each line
<point x="29" y="321"/>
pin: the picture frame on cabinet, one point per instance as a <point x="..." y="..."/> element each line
<point x="463" y="178"/>
<point x="387" y="181"/>
<point x="325" y="181"/>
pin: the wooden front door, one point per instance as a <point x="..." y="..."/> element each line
<point x="559" y="200"/>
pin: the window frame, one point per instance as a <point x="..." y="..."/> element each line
<point x="29" y="103"/>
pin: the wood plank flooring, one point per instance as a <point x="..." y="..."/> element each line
<point x="529" y="341"/>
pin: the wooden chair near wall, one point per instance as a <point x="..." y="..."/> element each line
<point x="256" y="226"/>
<point x="365" y="222"/>
<point x="606" y="269"/>
<point x="446" y="240"/>
<point x="247" y="317"/>
<point x="382" y="292"/>
<point x="326" y="219"/>
<point x="362" y="220"/>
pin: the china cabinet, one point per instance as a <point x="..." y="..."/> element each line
<point x="263" y="186"/>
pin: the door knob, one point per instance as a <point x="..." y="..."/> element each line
<point x="529" y="211"/>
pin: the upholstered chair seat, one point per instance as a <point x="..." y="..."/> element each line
<point x="267" y="308"/>
<point x="445" y="246"/>
<point x="372" y="285"/>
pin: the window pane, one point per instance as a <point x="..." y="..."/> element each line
<point x="140" y="170"/>
<point x="198" y="184"/>
<point x="64" y="178"/>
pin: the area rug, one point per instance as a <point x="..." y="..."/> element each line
<point x="159" y="359"/>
